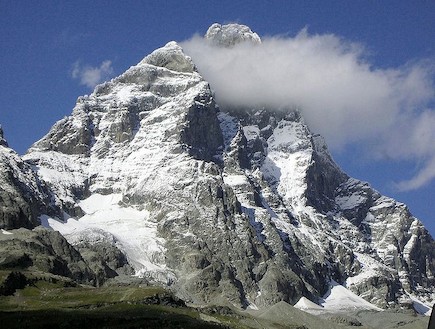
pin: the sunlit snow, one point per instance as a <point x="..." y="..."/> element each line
<point x="338" y="298"/>
<point x="134" y="233"/>
<point x="307" y="305"/>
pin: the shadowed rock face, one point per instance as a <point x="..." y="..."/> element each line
<point x="43" y="250"/>
<point x="202" y="134"/>
<point x="244" y="206"/>
<point x="48" y="251"/>
<point x="2" y="140"/>
<point x="23" y="197"/>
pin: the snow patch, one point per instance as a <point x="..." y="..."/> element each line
<point x="305" y="304"/>
<point x="251" y="132"/>
<point x="125" y="93"/>
<point x="235" y="180"/>
<point x="341" y="299"/>
<point x="134" y="233"/>
<point x="285" y="167"/>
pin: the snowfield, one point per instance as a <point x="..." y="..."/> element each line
<point x="132" y="231"/>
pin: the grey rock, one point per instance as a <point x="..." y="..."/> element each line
<point x="23" y="196"/>
<point x="43" y="250"/>
<point x="323" y="177"/>
<point x="172" y="58"/>
<point x="68" y="136"/>
<point x="102" y="255"/>
<point x="3" y="141"/>
<point x="48" y="251"/>
<point x="201" y="133"/>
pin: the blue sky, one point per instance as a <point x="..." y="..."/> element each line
<point x="54" y="51"/>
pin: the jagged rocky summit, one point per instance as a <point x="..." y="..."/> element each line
<point x="224" y="205"/>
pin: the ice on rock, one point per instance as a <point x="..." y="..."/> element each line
<point x="231" y="34"/>
<point x="171" y="56"/>
<point x="128" y="228"/>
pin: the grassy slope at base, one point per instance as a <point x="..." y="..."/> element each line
<point x="49" y="301"/>
<point x="45" y="304"/>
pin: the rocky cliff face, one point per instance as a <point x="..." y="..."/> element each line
<point x="224" y="205"/>
<point x="23" y="196"/>
<point x="24" y="200"/>
<point x="43" y="250"/>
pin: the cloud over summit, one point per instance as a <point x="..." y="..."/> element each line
<point x="340" y="93"/>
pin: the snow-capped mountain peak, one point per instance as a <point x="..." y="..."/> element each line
<point x="224" y="205"/>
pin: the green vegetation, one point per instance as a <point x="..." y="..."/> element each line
<point x="46" y="302"/>
<point x="114" y="316"/>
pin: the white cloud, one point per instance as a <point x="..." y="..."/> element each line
<point x="342" y="96"/>
<point x="414" y="138"/>
<point x="423" y="177"/>
<point x="91" y="76"/>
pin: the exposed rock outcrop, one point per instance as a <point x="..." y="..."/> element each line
<point x="3" y="141"/>
<point x="47" y="251"/>
<point x="23" y="196"/>
<point x="43" y="250"/>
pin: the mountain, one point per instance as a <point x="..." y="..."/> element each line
<point x="223" y="205"/>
